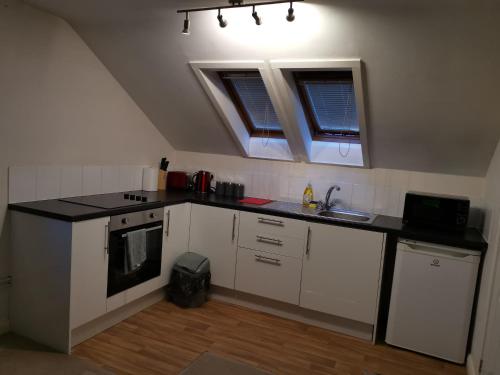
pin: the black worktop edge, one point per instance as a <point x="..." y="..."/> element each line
<point x="383" y="224"/>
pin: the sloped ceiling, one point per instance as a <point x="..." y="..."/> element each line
<point x="431" y="68"/>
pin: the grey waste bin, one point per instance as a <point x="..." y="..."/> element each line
<point x="190" y="280"/>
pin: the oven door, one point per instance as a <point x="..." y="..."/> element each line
<point x="123" y="276"/>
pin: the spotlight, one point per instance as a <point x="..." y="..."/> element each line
<point x="291" y="16"/>
<point x="258" y="20"/>
<point x="185" y="30"/>
<point x="222" y="21"/>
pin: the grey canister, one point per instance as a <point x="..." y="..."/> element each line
<point x="220" y="188"/>
<point x="229" y="192"/>
<point x="239" y="191"/>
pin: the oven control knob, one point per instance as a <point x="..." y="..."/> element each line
<point x="152" y="215"/>
<point x="124" y="221"/>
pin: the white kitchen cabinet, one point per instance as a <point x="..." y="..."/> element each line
<point x="176" y="237"/>
<point x="268" y="275"/>
<point x="59" y="269"/>
<point x="341" y="272"/>
<point x="214" y="233"/>
<point x="89" y="270"/>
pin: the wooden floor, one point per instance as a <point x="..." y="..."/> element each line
<point x="164" y="339"/>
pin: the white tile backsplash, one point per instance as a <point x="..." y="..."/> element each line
<point x="110" y="180"/>
<point x="130" y="178"/>
<point x="52" y="182"/>
<point x="363" y="197"/>
<point x="344" y="195"/>
<point x="92" y="180"/>
<point x="381" y="191"/>
<point x="71" y="181"/>
<point x="22" y="184"/>
<point x="48" y="182"/>
<point x="381" y="199"/>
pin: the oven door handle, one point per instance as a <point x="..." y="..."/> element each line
<point x="147" y="230"/>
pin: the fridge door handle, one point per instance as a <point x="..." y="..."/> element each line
<point x="439" y="251"/>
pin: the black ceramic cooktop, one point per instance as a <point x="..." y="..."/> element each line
<point x="110" y="201"/>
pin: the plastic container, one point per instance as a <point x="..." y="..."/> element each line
<point x="190" y="280"/>
<point x="308" y="196"/>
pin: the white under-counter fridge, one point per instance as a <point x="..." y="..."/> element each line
<point x="432" y="298"/>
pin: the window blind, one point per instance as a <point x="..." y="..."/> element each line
<point x="256" y="100"/>
<point x="333" y="105"/>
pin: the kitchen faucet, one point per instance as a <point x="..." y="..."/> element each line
<point x="329" y="205"/>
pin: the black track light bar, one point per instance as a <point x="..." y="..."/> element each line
<point x="239" y="5"/>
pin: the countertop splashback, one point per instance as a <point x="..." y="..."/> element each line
<point x="380" y="191"/>
<point x="29" y="183"/>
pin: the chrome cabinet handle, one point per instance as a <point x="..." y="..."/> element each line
<point x="263" y="259"/>
<point x="234" y="227"/>
<point x="106" y="239"/>
<point x="308" y="244"/>
<point x="167" y="232"/>
<point x="264" y="220"/>
<point x="271" y="241"/>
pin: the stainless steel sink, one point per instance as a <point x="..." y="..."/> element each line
<point x="353" y="216"/>
<point x="334" y="214"/>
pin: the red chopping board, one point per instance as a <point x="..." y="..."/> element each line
<point x="256" y="201"/>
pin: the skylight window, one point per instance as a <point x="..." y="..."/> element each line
<point x="329" y="104"/>
<point x="250" y="98"/>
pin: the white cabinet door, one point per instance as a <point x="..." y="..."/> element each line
<point x="89" y="270"/>
<point x="214" y="233"/>
<point x="176" y="237"/>
<point x="341" y="272"/>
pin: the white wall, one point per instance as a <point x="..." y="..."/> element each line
<point x="492" y="234"/>
<point x="375" y="190"/>
<point x="429" y="68"/>
<point x="60" y="106"/>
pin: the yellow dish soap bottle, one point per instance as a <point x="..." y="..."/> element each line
<point x="308" y="196"/>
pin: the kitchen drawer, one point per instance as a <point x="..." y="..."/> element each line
<point x="272" y="225"/>
<point x="271" y="243"/>
<point x="267" y="275"/>
<point x="256" y="233"/>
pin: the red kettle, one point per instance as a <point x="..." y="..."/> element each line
<point x="202" y="181"/>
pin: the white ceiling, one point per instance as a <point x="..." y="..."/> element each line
<point x="431" y="68"/>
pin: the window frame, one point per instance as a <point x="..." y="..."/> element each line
<point x="240" y="107"/>
<point x="317" y="133"/>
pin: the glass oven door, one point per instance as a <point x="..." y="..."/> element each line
<point x="123" y="276"/>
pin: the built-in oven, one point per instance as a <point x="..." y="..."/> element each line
<point x="135" y="247"/>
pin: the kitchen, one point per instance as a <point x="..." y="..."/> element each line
<point x="86" y="114"/>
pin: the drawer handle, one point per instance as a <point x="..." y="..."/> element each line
<point x="278" y="223"/>
<point x="273" y="261"/>
<point x="271" y="241"/>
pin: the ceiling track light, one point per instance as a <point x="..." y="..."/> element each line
<point x="258" y="20"/>
<point x="238" y="4"/>
<point x="291" y="16"/>
<point x="222" y="21"/>
<point x="185" y="30"/>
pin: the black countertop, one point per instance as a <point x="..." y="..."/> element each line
<point x="56" y="209"/>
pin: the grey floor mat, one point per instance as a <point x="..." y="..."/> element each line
<point x="211" y="364"/>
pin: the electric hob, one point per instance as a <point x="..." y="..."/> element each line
<point x="113" y="200"/>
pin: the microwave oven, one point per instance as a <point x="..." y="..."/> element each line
<point x="444" y="212"/>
